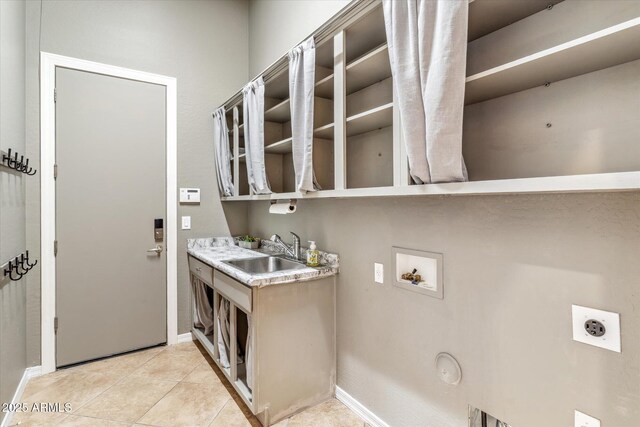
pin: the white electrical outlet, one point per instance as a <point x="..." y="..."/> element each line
<point x="584" y="420"/>
<point x="603" y="329"/>
<point x="186" y="223"/>
<point x="378" y="273"/>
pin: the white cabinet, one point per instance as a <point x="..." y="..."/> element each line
<point x="552" y="94"/>
<point x="288" y="330"/>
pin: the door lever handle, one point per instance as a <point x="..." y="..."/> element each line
<point x="157" y="250"/>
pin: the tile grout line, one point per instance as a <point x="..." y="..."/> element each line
<point x="155" y="404"/>
<point x="218" y="413"/>
<point x="114" y="384"/>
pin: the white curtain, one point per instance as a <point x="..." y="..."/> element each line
<point x="204" y="310"/>
<point x="428" y="47"/>
<point x="224" y="343"/>
<point x="253" y="112"/>
<point x="302" y="73"/>
<point x="248" y="356"/>
<point x="222" y="152"/>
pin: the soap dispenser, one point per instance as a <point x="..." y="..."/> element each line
<point x="312" y="255"/>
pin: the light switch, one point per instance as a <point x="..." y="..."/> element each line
<point x="584" y="420"/>
<point x="186" y="223"/>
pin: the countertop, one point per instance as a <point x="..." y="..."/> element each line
<point x="214" y="250"/>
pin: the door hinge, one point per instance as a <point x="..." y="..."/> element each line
<point x="55" y="171"/>
<point x="55" y="95"/>
<point x="55" y="247"/>
<point x="55" y="324"/>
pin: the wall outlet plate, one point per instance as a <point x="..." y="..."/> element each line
<point x="610" y="340"/>
<point x="584" y="420"/>
<point x="378" y="272"/>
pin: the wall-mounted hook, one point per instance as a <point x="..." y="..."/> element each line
<point x="10" y="160"/>
<point x="21" y="264"/>
<point x="28" y="263"/>
<point x="17" y="267"/>
<point x="8" y="271"/>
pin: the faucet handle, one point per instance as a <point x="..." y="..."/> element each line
<point x="275" y="238"/>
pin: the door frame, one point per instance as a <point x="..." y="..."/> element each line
<point x="48" y="64"/>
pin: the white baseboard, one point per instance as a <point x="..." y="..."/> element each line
<point x="361" y="410"/>
<point x="188" y="337"/>
<point x="32" y="372"/>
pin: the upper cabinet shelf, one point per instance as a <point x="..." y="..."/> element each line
<point x="324" y="87"/>
<point x="324" y="132"/>
<point x="279" y="113"/>
<point x="487" y="16"/>
<point x="376" y="118"/>
<point x="279" y="147"/>
<point x="606" y="48"/>
<point x="370" y="68"/>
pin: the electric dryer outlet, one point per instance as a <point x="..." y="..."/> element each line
<point x="596" y="327"/>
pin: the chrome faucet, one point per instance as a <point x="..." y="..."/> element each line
<point x="294" y="250"/>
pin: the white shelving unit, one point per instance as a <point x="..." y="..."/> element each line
<point x="552" y="104"/>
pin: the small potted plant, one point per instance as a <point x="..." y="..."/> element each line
<point x="249" y="242"/>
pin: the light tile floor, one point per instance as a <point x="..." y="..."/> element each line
<point x="163" y="386"/>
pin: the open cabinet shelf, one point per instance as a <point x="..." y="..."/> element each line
<point x="371" y="68"/>
<point x="324" y="87"/>
<point x="279" y="113"/>
<point x="606" y="48"/>
<point x="376" y="118"/>
<point x="549" y="108"/>
<point x="280" y="147"/>
<point x="487" y="16"/>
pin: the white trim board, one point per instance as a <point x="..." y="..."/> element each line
<point x="32" y="372"/>
<point x="182" y="338"/>
<point x="359" y="409"/>
<point x="48" y="64"/>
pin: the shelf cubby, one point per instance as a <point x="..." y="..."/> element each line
<point x="370" y="159"/>
<point x="487" y="16"/>
<point x="556" y="131"/>
<point x="324" y="87"/>
<point x="367" y="121"/>
<point x="606" y="48"/>
<point x="365" y="35"/>
<point x="324" y="55"/>
<point x="279" y="147"/>
<point x="279" y="113"/>
<point x="324" y="132"/>
<point x="370" y="68"/>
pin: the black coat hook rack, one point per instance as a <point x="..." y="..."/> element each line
<point x="12" y="162"/>
<point x="17" y="267"/>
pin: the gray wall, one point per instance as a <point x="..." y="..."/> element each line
<point x="203" y="44"/>
<point x="278" y="25"/>
<point x="513" y="265"/>
<point x="12" y="196"/>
